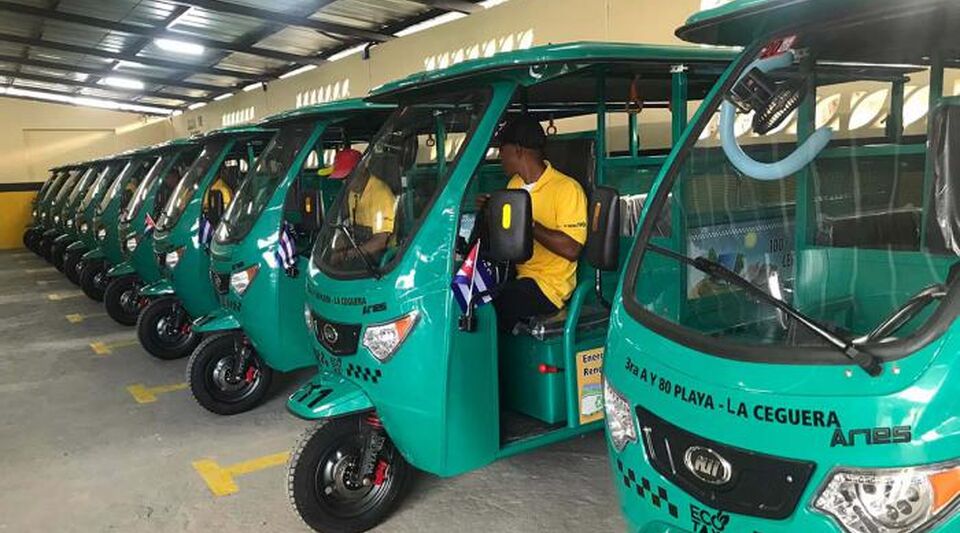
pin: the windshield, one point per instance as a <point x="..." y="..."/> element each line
<point x="394" y="184"/>
<point x="103" y="181"/>
<point x="255" y="191"/>
<point x="173" y="175"/>
<point x="128" y="180"/>
<point x="841" y="238"/>
<point x="83" y="184"/>
<point x="190" y="183"/>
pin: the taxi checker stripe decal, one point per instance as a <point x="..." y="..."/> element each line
<point x="364" y="373"/>
<point x="644" y="488"/>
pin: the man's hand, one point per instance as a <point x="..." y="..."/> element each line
<point x="557" y="242"/>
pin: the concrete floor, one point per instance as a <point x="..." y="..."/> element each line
<point x="79" y="453"/>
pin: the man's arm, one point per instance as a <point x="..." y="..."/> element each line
<point x="557" y="242"/>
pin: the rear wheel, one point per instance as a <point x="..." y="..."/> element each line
<point x="57" y="250"/>
<point x="324" y="483"/>
<point x="164" y="329"/>
<point x="72" y="265"/>
<point x="93" y="279"/>
<point x="226" y="376"/>
<point x="121" y="299"/>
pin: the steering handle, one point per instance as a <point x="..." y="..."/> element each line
<point x="801" y="157"/>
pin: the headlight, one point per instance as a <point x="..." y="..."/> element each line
<point x="101" y="234"/>
<point x="894" y="500"/>
<point x="619" y="418"/>
<point x="69" y="222"/>
<point x="84" y="227"/>
<point x="239" y="281"/>
<point x="172" y="258"/>
<point x="308" y="317"/>
<point x="131" y="244"/>
<point x="56" y="219"/>
<point x="383" y="339"/>
<point x="34" y="213"/>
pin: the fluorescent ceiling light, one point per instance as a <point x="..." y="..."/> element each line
<point x="176" y="113"/>
<point x="431" y="23"/>
<point x="253" y="87"/>
<point x="347" y="53"/>
<point x="297" y="72"/>
<point x="197" y="105"/>
<point x="123" y="83"/>
<point x="223" y="96"/>
<point x="492" y="3"/>
<point x="177" y="20"/>
<point x="179" y="47"/>
<point x="84" y="101"/>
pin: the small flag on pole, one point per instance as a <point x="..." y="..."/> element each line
<point x="206" y="231"/>
<point x="474" y="276"/>
<point x="149" y="225"/>
<point x="287" y="249"/>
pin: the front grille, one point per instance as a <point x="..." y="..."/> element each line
<point x="340" y="339"/>
<point x="221" y="282"/>
<point x="759" y="485"/>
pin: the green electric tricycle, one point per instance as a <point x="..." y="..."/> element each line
<point x="134" y="262"/>
<point x="63" y="231"/>
<point x="260" y="251"/>
<point x="52" y="220"/>
<point x="41" y="206"/>
<point x="182" y="239"/>
<point x="408" y="380"/>
<point x="785" y="358"/>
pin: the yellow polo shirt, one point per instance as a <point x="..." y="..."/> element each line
<point x="560" y="204"/>
<point x="375" y="207"/>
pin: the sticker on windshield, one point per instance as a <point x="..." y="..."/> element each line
<point x="589" y="388"/>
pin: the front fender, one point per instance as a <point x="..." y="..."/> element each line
<point x="75" y="246"/>
<point x="161" y="287"/>
<point x="50" y="233"/>
<point x="63" y="238"/>
<point x="96" y="253"/>
<point x="328" y="396"/>
<point x="219" y="320"/>
<point x="123" y="269"/>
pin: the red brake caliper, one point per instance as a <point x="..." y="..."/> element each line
<point x="250" y="375"/>
<point x="380" y="473"/>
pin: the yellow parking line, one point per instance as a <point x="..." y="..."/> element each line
<point x="57" y="296"/>
<point x="143" y="394"/>
<point x="106" y="348"/>
<point x="220" y="480"/>
<point x="75" y="318"/>
<point x="38" y="270"/>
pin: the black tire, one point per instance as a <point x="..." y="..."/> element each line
<point x="45" y="245"/>
<point x="161" y="339"/>
<point x="57" y="250"/>
<point x="320" y="455"/>
<point x="121" y="299"/>
<point x="211" y="379"/>
<point x="30" y="239"/>
<point x="93" y="279"/>
<point x="72" y="265"/>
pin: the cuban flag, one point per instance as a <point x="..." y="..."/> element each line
<point x="148" y="225"/>
<point x="206" y="231"/>
<point x="287" y="249"/>
<point x="474" y="276"/>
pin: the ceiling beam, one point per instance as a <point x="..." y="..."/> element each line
<point x="161" y="63"/>
<point x="286" y="19"/>
<point x="153" y="32"/>
<point x="460" y="6"/>
<point x="93" y="85"/>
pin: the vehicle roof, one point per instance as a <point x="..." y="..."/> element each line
<point x="338" y="108"/>
<point x="234" y="130"/>
<point x="517" y="64"/>
<point x="889" y="31"/>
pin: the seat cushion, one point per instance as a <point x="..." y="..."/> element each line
<point x="542" y="327"/>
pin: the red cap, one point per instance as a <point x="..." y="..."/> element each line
<point x="344" y="162"/>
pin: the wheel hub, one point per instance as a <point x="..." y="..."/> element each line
<point x="224" y="378"/>
<point x="129" y="301"/>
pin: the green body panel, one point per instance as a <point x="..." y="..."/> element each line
<point x="161" y="287"/>
<point x="123" y="269"/>
<point x="219" y="320"/>
<point x="94" y="254"/>
<point x="328" y="396"/>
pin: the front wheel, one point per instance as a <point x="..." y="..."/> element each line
<point x="30" y="238"/>
<point x="121" y="299"/>
<point x="93" y="279"/>
<point x="165" y="331"/>
<point x="226" y="376"/>
<point x="72" y="265"/>
<point x="324" y="482"/>
<point x="57" y="251"/>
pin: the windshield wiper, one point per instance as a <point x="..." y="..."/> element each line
<point x="869" y="363"/>
<point x="374" y="271"/>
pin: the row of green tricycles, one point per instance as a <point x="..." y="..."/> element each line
<point x="763" y="312"/>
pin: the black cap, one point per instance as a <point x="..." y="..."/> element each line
<point x="523" y="130"/>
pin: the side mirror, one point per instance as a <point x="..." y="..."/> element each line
<point x="311" y="213"/>
<point x="603" y="229"/>
<point x="510" y="226"/>
<point x="214" y="206"/>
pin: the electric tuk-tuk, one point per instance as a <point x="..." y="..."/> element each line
<point x="784" y="358"/>
<point x="133" y="262"/>
<point x="100" y="243"/>
<point x="50" y="212"/>
<point x="260" y="251"/>
<point x="64" y="209"/>
<point x="77" y="237"/>
<point x="58" y="176"/>
<point x="181" y="240"/>
<point x="408" y="380"/>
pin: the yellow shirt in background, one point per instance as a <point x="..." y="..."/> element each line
<point x="375" y="207"/>
<point x="560" y="204"/>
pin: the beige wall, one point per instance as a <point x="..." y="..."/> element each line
<point x="35" y="136"/>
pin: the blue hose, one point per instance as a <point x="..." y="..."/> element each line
<point x="786" y="167"/>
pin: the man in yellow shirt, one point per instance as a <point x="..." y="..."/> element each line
<point x="372" y="209"/>
<point x="545" y="282"/>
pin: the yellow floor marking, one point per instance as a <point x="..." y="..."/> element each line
<point x="38" y="270"/>
<point x="106" y="348"/>
<point x="220" y="480"/>
<point x="57" y="296"/>
<point x="143" y="394"/>
<point x="75" y="318"/>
